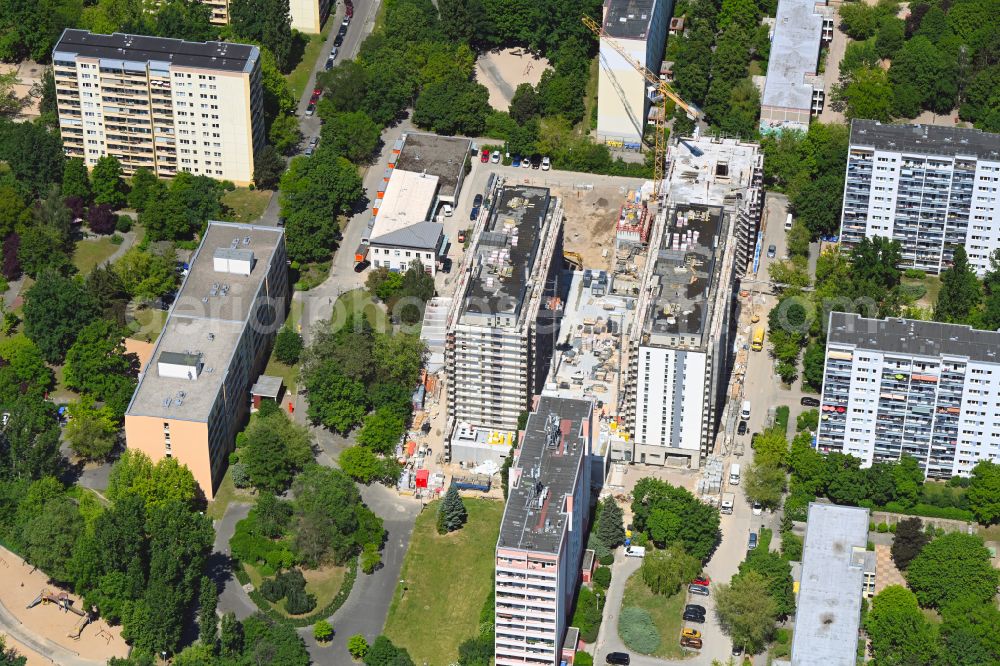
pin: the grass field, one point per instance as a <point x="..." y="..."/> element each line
<point x="92" y="252"/>
<point x="932" y="283"/>
<point x="324" y="583"/>
<point x="246" y="205"/>
<point x="590" y="99"/>
<point x="288" y="373"/>
<point x="298" y="78"/>
<point x="447" y="579"/>
<point x="666" y="613"/>
<point x="226" y="494"/>
<point x="359" y="301"/>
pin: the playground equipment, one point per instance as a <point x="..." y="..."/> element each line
<point x="78" y="627"/>
<point x="61" y="599"/>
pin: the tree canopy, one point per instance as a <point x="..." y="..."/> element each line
<point x="952" y="567"/>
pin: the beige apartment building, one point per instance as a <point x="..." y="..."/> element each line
<point x="306" y="15"/>
<point x="193" y="395"/>
<point x="164" y="104"/>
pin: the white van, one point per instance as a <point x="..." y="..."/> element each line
<point x="745" y="410"/>
<point x="788" y="222"/>
<point x="734" y="475"/>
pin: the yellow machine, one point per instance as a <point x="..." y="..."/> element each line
<point x="758" y="339"/>
<point x="574" y="260"/>
<point x="665" y="91"/>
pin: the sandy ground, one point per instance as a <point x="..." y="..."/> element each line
<point x="590" y="216"/>
<point x="48" y="624"/>
<point x="28" y="74"/>
<point x="503" y="71"/>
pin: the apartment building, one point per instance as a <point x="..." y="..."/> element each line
<point x="502" y="323"/>
<point x="193" y="396"/>
<point x="836" y="570"/>
<point x="306" y="15"/>
<point x="929" y="187"/>
<point x="793" y="89"/>
<point x="623" y="104"/>
<point x="899" y="387"/>
<point x="164" y="104"/>
<point x="679" y="358"/>
<point x="543" y="535"/>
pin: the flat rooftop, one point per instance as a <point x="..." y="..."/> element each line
<point x="798" y="30"/>
<point x="628" y="19"/>
<point x="407" y="201"/>
<point x="441" y="156"/>
<point x="711" y="171"/>
<point x="829" y="600"/>
<point x="206" y="320"/>
<point x="685" y="270"/>
<point x="912" y="337"/>
<point x="555" y="438"/>
<point x="225" y="56"/>
<point x="925" y="139"/>
<point x="506" y="252"/>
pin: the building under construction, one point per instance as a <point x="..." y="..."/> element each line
<point x="634" y="220"/>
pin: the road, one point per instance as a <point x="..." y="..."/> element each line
<point x="232" y="597"/>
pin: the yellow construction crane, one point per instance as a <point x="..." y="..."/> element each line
<point x="665" y="91"/>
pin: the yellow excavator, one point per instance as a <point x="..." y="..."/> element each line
<point x="573" y="260"/>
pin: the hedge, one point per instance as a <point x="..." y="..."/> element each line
<point x="321" y="614"/>
<point x="637" y="630"/>
<point x="781" y="419"/>
<point x="930" y="511"/>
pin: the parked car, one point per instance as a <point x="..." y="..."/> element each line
<point x="311" y="109"/>
<point x="771" y="251"/>
<point x="618" y="658"/>
<point x="691" y="633"/>
<point x="461" y="236"/>
<point x="474" y="213"/>
<point x="346" y="22"/>
<point x="525" y="162"/>
<point x="515" y="161"/>
<point x="698" y="589"/>
<point x="809" y="402"/>
<point x="343" y="29"/>
<point x="281" y="221"/>
<point x="445" y="268"/>
<point x="694" y="608"/>
<point x="477" y="200"/>
<point x="311" y="148"/>
<point x="334" y="52"/>
<point x="484" y="157"/>
<point x="752" y="543"/>
<point x="757" y="508"/>
<point x="702" y="580"/>
<point x="694" y="617"/>
<point x="737" y="650"/>
<point x="536" y="161"/>
<point x="693" y="643"/>
<point x="546" y="164"/>
<point x="317" y="91"/>
<point x="741" y="429"/>
<point x="338" y="40"/>
<point x="495" y="158"/>
<point x="361" y="266"/>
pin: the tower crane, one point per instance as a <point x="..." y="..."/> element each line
<point x="665" y="92"/>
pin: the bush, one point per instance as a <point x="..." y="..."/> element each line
<point x="587" y="616"/>
<point x="322" y="631"/>
<point x="637" y="631"/>
<point x="791" y="547"/>
<point x="240" y="477"/>
<point x="607" y="560"/>
<point x="117" y="240"/>
<point x="928" y="511"/>
<point x="272" y="590"/>
<point x="892" y="528"/>
<point x="882" y="528"/>
<point x="914" y="274"/>
<point x="357" y="646"/>
<point x="297" y="602"/>
<point x="781" y="419"/>
<point x="124" y="224"/>
<point x="583" y="659"/>
<point x="602" y="577"/>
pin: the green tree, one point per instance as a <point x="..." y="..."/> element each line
<point x="135" y="475"/>
<point x="335" y="401"/>
<point x="56" y="309"/>
<point x="43" y="248"/>
<point x="147" y="276"/>
<point x="267" y="22"/>
<point x="960" y="290"/>
<point x="361" y="464"/>
<point x="898" y="631"/>
<point x="398" y="358"/>
<point x="29" y="444"/>
<point x="322" y="631"/>
<point x="463" y="20"/>
<point x="383" y="653"/>
<point x="329" y="521"/>
<point x="107" y="183"/>
<point x="451" y="512"/>
<point x="208" y="621"/>
<point x="908" y="541"/>
<point x="288" y="345"/>
<point x="230" y="636"/>
<point x="48" y="538"/>
<point x="267" y="168"/>
<point x="184" y="19"/>
<point x="452" y="107"/>
<point x="382" y="431"/>
<point x="890" y="36"/>
<point x="98" y="364"/>
<point x="23" y="370"/>
<point x="927" y="73"/>
<point x="969" y="634"/>
<point x="667" y="513"/>
<point x="983" y="493"/>
<point x="344" y="86"/>
<point x="765" y="483"/>
<point x="747" y="611"/>
<point x="664" y="571"/>
<point x="145" y="187"/>
<point x="371" y="558"/>
<point x="92" y="431"/>
<point x="32" y="150"/>
<point x="777" y="573"/>
<point x="357" y="646"/>
<point x="952" y="567"/>
<point x="907" y="479"/>
<point x="868" y="94"/>
<point x="352" y="134"/>
<point x="814" y="364"/>
<point x="13" y="210"/>
<point x="284" y="134"/>
<point x="611" y="528"/>
<point x="9" y="656"/>
<point x="275" y="449"/>
<point x="76" y="180"/>
<point x="524" y="103"/>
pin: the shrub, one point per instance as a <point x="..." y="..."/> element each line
<point x="892" y="528"/>
<point x="602" y="577"/>
<point x="116" y="239"/>
<point x="124" y="224"/>
<point x="297" y="602"/>
<point x="914" y="274"/>
<point x="781" y="418"/>
<point x="583" y="659"/>
<point x="640" y="539"/>
<point x="882" y="528"/>
<point x="272" y="590"/>
<point x="240" y="477"/>
<point x="322" y="631"/>
<point x="357" y="646"/>
<point x="587" y="616"/>
<point x="791" y="547"/>
<point x="637" y="631"/>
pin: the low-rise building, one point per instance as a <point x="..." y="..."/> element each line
<point x="540" y="550"/>
<point x="194" y="395"/>
<point x="306" y="15"/>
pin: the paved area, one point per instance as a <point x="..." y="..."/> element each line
<point x="232" y="597"/>
<point x="831" y="75"/>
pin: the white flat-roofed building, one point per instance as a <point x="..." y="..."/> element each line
<point x="404" y="231"/>
<point x="306" y="15"/>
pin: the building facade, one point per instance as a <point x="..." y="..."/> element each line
<point x="623" y="105"/>
<point x="543" y="535"/>
<point x="163" y="104"/>
<point x="836" y="566"/>
<point x="928" y="187"/>
<point x="193" y="396"/>
<point x="793" y="89"/>
<point x="501" y="326"/>
<point x="679" y="361"/>
<point x="307" y="15"/>
<point x="899" y="387"/>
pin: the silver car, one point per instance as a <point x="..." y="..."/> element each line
<point x="698" y="589"/>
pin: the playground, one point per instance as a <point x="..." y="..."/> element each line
<point x="49" y="625"/>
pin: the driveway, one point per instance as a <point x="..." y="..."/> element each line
<point x="232" y="597"/>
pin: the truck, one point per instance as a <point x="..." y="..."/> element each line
<point x="635" y="551"/>
<point x="728" y="500"/>
<point x="734" y="474"/>
<point x="758" y="339"/>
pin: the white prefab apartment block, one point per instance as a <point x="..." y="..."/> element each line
<point x="623" y="107"/>
<point x="929" y="187"/>
<point x="543" y="536"/>
<point x="306" y="15"/>
<point x="501" y="328"/>
<point x="164" y="104"/>
<point x="679" y="359"/>
<point x="793" y="89"/>
<point x="899" y="387"/>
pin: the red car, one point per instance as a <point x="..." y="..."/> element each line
<point x="317" y="92"/>
<point x="485" y="156"/>
<point x="702" y="580"/>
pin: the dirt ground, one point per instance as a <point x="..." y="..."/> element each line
<point x="48" y="623"/>
<point x="503" y="71"/>
<point x="589" y="219"/>
<point x="28" y="73"/>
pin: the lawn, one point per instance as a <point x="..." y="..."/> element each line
<point x="589" y="100"/>
<point x="447" y="580"/>
<point x="299" y="77"/>
<point x="359" y="301"/>
<point x="666" y="613"/>
<point x="323" y="583"/>
<point x="148" y="324"/>
<point x="932" y="283"/>
<point x="226" y="494"/>
<point x="288" y="373"/>
<point x="246" y="205"/>
<point x="92" y="252"/>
